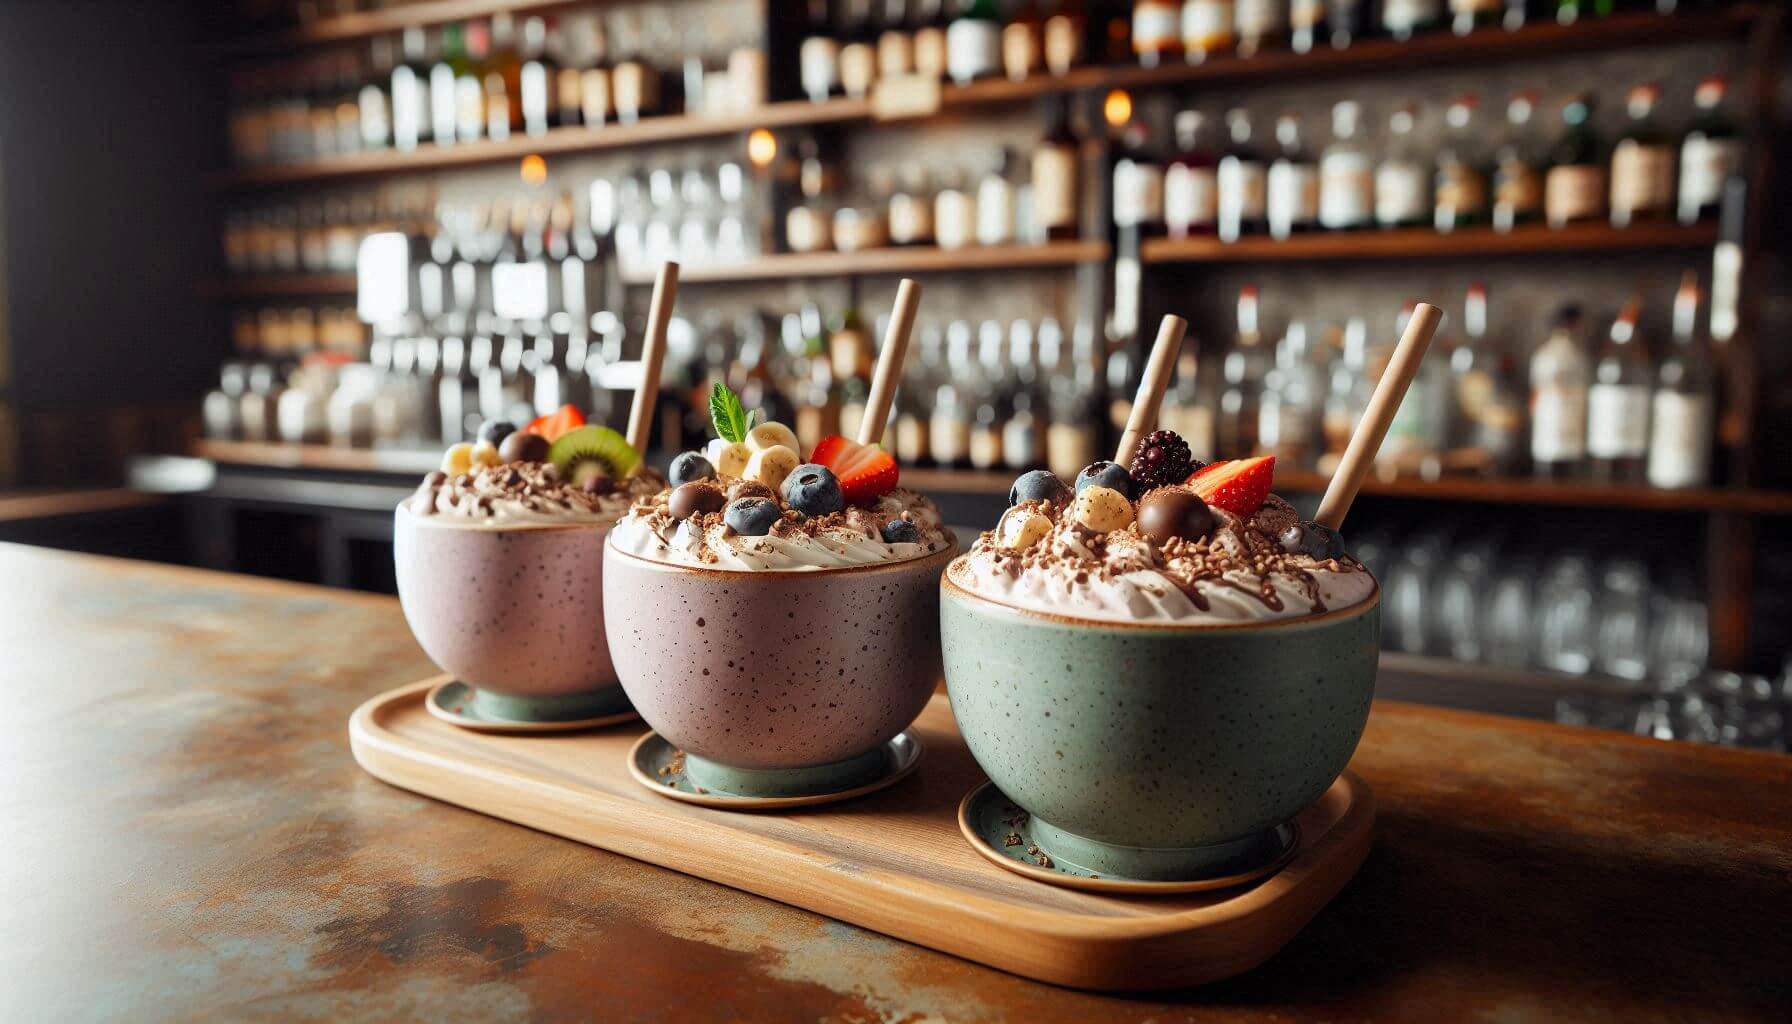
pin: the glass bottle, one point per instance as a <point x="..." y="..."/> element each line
<point x="1402" y="191"/>
<point x="818" y="58"/>
<point x="1207" y="29"/>
<point x="1242" y="180"/>
<point x="1191" y="183"/>
<point x="1517" y="180"/>
<point x="1291" y="186"/>
<point x="1347" y="21"/>
<point x="912" y="208"/>
<point x="1559" y="377"/>
<point x="808" y="225"/>
<point x="896" y="42"/>
<point x="1468" y="15"/>
<point x="1474" y="369"/>
<point x="1618" y="400"/>
<point x="1403" y="19"/>
<point x="1261" y="25"/>
<point x="949" y="428"/>
<point x="1288" y="412"/>
<point x="1062" y="36"/>
<point x="1021" y="56"/>
<point x="858" y="49"/>
<point x="1241" y="372"/>
<point x="1642" y="175"/>
<point x="974" y="42"/>
<point x="996" y="198"/>
<point x="1138" y="183"/>
<point x="1307" y="25"/>
<point x="1346" y="175"/>
<point x="412" y="113"/>
<point x="1574" y="189"/>
<point x="1709" y="154"/>
<point x="1570" y="11"/>
<point x="1054" y="174"/>
<point x="1156" y="32"/>
<point x="954" y="211"/>
<point x="1460" y="192"/>
<point x="1347" y="390"/>
<point x="1683" y="408"/>
<point x="930" y="18"/>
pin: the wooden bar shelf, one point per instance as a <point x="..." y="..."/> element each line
<point x="893" y="261"/>
<point x="344" y="28"/>
<point x="277" y="286"/>
<point x="1425" y="243"/>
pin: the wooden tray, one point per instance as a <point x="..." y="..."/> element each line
<point x="893" y="861"/>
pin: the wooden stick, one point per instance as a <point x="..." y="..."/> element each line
<point x="653" y="356"/>
<point x="1365" y="442"/>
<point x="889" y="362"/>
<point x="1151" y="387"/>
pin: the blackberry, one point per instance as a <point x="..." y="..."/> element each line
<point x="1161" y="459"/>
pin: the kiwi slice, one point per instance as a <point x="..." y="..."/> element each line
<point x="588" y="451"/>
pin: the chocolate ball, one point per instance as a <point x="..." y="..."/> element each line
<point x="751" y="489"/>
<point x="697" y="496"/>
<point x="523" y="447"/>
<point x="1174" y="512"/>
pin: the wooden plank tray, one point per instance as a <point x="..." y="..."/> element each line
<point x="893" y="861"/>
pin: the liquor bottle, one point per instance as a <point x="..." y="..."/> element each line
<point x="1021" y="44"/>
<point x="1642" y="164"/>
<point x="1054" y="174"/>
<point x="469" y="84"/>
<point x="949" y="428"/>
<point x="536" y="78"/>
<point x="1346" y="175"/>
<point x="996" y="198"/>
<point x="1241" y="377"/>
<point x="931" y="19"/>
<point x="1709" y="155"/>
<point x="1023" y="433"/>
<point x="1347" y="21"/>
<point x="1468" y="15"/>
<point x="1403" y="19"/>
<point x="1288" y="412"/>
<point x="912" y="208"/>
<point x="974" y="42"/>
<point x="954" y="211"/>
<point x="915" y="397"/>
<point x="412" y="115"/>
<point x="1570" y="11"/>
<point x="818" y="58"/>
<point x="1138" y="183"/>
<point x="1156" y="32"/>
<point x="1682" y="411"/>
<point x="1061" y="36"/>
<point x="503" y="79"/>
<point x="1122" y="375"/>
<point x="1517" y="182"/>
<point x="374" y="127"/>
<point x="989" y="399"/>
<point x="1261" y="25"/>
<point x="1474" y="369"/>
<point x="1348" y="389"/>
<point x="1291" y="186"/>
<point x="634" y="83"/>
<point x="1419" y="433"/>
<point x="1618" y="404"/>
<point x="597" y="93"/>
<point x="808" y="225"/>
<point x="858" y="49"/>
<point x="1574" y="188"/>
<point x="1460" y="191"/>
<point x="1517" y="13"/>
<point x="1242" y="179"/>
<point x="1191" y="183"/>
<point x="1559" y="377"/>
<point x="1307" y="25"/>
<point x="896" y="41"/>
<point x="1208" y="29"/>
<point x="1402" y="188"/>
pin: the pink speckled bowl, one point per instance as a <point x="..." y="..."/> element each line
<point x="517" y="614"/>
<point x="767" y="671"/>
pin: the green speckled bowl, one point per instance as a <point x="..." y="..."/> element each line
<point x="1152" y="752"/>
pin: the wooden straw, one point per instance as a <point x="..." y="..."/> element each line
<point x="1151" y="387"/>
<point x="889" y="362"/>
<point x="653" y="356"/>
<point x="1365" y="442"/>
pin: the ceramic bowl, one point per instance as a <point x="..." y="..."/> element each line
<point x="1147" y="751"/>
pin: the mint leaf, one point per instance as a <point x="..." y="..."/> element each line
<point x="752" y="420"/>
<point x="725" y="412"/>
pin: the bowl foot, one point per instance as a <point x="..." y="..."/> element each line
<point x="455" y="702"/>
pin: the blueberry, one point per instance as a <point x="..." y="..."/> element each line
<point x="1104" y="474"/>
<point x="1321" y="541"/>
<point x="901" y="531"/>
<point x="752" y="517"/>
<point x="493" y="432"/>
<point x="688" y="467"/>
<point x="1039" y="485"/>
<point x="813" y="490"/>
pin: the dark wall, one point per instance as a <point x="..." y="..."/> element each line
<point x="103" y="118"/>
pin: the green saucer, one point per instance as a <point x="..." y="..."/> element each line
<point x="470" y="708"/>
<point x="670" y="772"/>
<point x="1010" y="837"/>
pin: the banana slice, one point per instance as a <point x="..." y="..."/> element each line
<point x="772" y="435"/>
<point x="731" y="459"/>
<point x="1021" y="528"/>
<point x="772" y="465"/>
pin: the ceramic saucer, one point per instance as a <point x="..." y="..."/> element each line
<point x="999" y="831"/>
<point x="459" y="704"/>
<point x="659" y="766"/>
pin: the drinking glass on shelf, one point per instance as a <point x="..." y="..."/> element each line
<point x="1565" y="615"/>
<point x="1507" y="630"/>
<point x="1621" y="645"/>
<point x="1409" y="587"/>
<point x="1679" y="636"/>
<point x="1459" y="602"/>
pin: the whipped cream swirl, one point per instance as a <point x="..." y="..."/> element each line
<point x="1245" y="571"/>
<point x="523" y="495"/>
<point x="853" y="537"/>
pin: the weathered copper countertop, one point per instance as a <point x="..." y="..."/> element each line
<point x="188" y="837"/>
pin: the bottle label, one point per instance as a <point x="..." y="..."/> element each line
<point x="1054" y="186"/>
<point x="1191" y="198"/>
<point x="1574" y="192"/>
<point x="1069" y="447"/>
<point x="973" y="49"/>
<point x="954" y="219"/>
<point x="858" y="69"/>
<point x="1291" y="196"/>
<point x="995" y="212"/>
<point x="895" y="54"/>
<point x="1206" y="25"/>
<point x="1517" y="188"/>
<point x="594" y="89"/>
<point x="1260" y="19"/>
<point x="911" y="219"/>
<point x="534" y="88"/>
<point x="1243" y="193"/>
<point x="1138" y="193"/>
<point x="930" y="53"/>
<point x="1020" y="51"/>
<point x="1680" y="440"/>
<point x="1153" y="26"/>
<point x="1461" y="192"/>
<point x="818" y="63"/>
<point x="1346" y="184"/>
<point x="1617" y="421"/>
<point x="569" y="95"/>
<point x="949" y="437"/>
<point x="807" y="230"/>
<point x="1705" y="164"/>
<point x="1558" y="424"/>
<point x="1642" y="178"/>
<point x="1399" y="193"/>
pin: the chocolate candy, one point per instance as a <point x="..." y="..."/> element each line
<point x="750" y="489"/>
<point x="697" y="496"/>
<point x="1171" y="512"/>
<point x="522" y="447"/>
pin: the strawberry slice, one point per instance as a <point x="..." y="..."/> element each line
<point x="557" y="424"/>
<point x="1236" y="485"/>
<point x="865" y="472"/>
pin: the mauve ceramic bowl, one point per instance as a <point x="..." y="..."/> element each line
<point x="515" y="613"/>
<point x="1145" y="751"/>
<point x="772" y="671"/>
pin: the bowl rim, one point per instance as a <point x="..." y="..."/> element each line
<point x="950" y="588"/>
<point x="403" y="511"/>
<point x="948" y="552"/>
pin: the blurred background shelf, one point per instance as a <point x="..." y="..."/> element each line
<point x="275" y="286"/>
<point x="894" y="261"/>
<point x="355" y="25"/>
<point x="1424" y="243"/>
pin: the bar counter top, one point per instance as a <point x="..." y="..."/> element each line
<point x="189" y="838"/>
